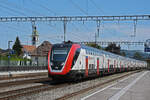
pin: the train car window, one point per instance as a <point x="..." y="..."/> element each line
<point x="75" y="57"/>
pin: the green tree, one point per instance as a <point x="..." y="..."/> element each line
<point x="123" y="54"/>
<point x="137" y="56"/>
<point x="113" y="48"/>
<point x="94" y="45"/>
<point x="17" y="47"/>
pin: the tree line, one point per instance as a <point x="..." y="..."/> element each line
<point x="113" y="48"/>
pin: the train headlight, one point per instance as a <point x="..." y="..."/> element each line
<point x="62" y="64"/>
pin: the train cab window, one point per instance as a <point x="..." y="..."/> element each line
<point x="76" y="56"/>
<point x="59" y="54"/>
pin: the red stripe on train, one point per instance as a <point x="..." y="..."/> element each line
<point x="97" y="66"/>
<point x="86" y="65"/>
<point x="49" y="53"/>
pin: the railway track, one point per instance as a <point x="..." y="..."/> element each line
<point x="19" y="93"/>
<point x="21" y="82"/>
<point x="23" y="76"/>
<point x="11" y="95"/>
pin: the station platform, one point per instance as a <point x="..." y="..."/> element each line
<point x="134" y="87"/>
<point x="16" y="73"/>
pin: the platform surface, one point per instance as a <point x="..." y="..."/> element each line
<point x="134" y="87"/>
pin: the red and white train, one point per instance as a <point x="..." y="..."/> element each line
<point x="76" y="61"/>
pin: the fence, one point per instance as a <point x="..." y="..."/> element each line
<point x="22" y="63"/>
<point x="6" y="65"/>
<point x="22" y="68"/>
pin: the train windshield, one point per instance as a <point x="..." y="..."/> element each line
<point x="59" y="54"/>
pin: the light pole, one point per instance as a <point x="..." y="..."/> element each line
<point x="9" y="44"/>
<point x="9" y="57"/>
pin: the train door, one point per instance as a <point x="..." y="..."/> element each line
<point x="114" y="68"/>
<point x="98" y="66"/>
<point x="104" y="64"/>
<point x="117" y="67"/>
<point x="85" y="62"/>
<point x="101" y="64"/>
<point x="111" y="65"/>
<point x="120" y="65"/>
<point x="107" y="63"/>
<point x="86" y="65"/>
<point x="92" y="64"/>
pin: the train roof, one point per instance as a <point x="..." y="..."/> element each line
<point x="107" y="54"/>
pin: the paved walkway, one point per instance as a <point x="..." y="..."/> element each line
<point x="134" y="87"/>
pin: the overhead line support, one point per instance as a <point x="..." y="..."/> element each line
<point x="65" y="23"/>
<point x="76" y="18"/>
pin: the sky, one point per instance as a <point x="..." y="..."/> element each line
<point x="76" y="31"/>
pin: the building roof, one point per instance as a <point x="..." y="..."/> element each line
<point x="28" y="48"/>
<point x="43" y="49"/>
<point x="4" y="52"/>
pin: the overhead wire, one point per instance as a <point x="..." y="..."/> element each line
<point x="12" y="10"/>
<point x="87" y="5"/>
<point x="78" y="7"/>
<point x="14" y="28"/>
<point x="76" y="35"/>
<point x="6" y="11"/>
<point x="44" y="7"/>
<point x="48" y="9"/>
<point x="87" y="29"/>
<point x="97" y="7"/>
<point x="18" y="7"/>
<point x="23" y="8"/>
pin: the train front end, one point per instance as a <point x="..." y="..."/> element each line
<point x="60" y="59"/>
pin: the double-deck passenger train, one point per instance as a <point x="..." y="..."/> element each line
<point x="76" y="61"/>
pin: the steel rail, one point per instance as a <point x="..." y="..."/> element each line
<point x="28" y="91"/>
<point x="22" y="82"/>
